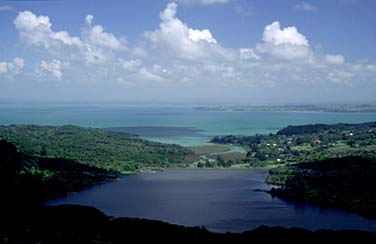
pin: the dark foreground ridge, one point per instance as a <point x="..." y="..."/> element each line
<point x="79" y="224"/>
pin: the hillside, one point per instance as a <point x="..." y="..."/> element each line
<point x="305" y="143"/>
<point x="27" y="179"/>
<point x="347" y="183"/>
<point x="79" y="224"/>
<point x="104" y="149"/>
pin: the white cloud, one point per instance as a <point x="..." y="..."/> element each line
<point x="307" y="7"/>
<point x="12" y="67"/>
<point x="335" y="59"/>
<point x="275" y="35"/>
<point x="52" y="67"/>
<point x="248" y="53"/>
<point x="285" y="51"/>
<point x="96" y="35"/>
<point x="284" y="43"/>
<point x="177" y="54"/>
<point x="177" y="38"/>
<point x="95" y="45"/>
<point x="89" y="19"/>
<point x="131" y="65"/>
<point x="201" y="35"/>
<point x="36" y="31"/>
<point x="204" y="2"/>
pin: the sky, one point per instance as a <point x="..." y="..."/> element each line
<point x="188" y="51"/>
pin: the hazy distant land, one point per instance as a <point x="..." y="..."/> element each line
<point x="297" y="108"/>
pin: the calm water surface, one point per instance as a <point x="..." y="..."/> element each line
<point x="221" y="200"/>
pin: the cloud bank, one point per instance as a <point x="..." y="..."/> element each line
<point x="176" y="54"/>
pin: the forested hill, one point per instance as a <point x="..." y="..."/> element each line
<point x="95" y="147"/>
<point x="317" y="128"/>
<point x="347" y="183"/>
<point x="29" y="180"/>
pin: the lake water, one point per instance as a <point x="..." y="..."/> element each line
<point x="221" y="200"/>
<point x="182" y="125"/>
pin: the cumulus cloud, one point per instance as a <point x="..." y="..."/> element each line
<point x="12" y="67"/>
<point x="201" y="35"/>
<point x="274" y="34"/>
<point x="248" y="53"/>
<point x="100" y="46"/>
<point x="284" y="43"/>
<point x="335" y="59"/>
<point x="306" y="7"/>
<point x="52" y="67"/>
<point x="177" y="38"/>
<point x="95" y="35"/>
<point x="179" y="54"/>
<point x="89" y="19"/>
<point x="95" y="44"/>
<point x="36" y="31"/>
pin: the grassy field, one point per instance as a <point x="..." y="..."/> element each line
<point x="209" y="149"/>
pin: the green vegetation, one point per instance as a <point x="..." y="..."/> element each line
<point x="30" y="179"/>
<point x="104" y="149"/>
<point x="209" y="149"/>
<point x="347" y="183"/>
<point x="295" y="144"/>
<point x="330" y="165"/>
<point x="26" y="181"/>
<point x="217" y="156"/>
<point x="39" y="173"/>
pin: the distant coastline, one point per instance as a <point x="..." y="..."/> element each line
<point x="349" y="108"/>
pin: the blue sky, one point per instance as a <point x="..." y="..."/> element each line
<point x="188" y="51"/>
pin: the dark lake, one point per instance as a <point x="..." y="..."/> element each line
<point x="220" y="200"/>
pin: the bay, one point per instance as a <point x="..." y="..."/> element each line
<point x="171" y="124"/>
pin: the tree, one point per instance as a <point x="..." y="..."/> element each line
<point x="43" y="151"/>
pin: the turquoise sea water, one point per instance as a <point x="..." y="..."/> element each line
<point x="182" y="125"/>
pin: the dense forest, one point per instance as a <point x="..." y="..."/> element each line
<point x="347" y="183"/>
<point x="104" y="149"/>
<point x="29" y="179"/>
<point x="305" y="143"/>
